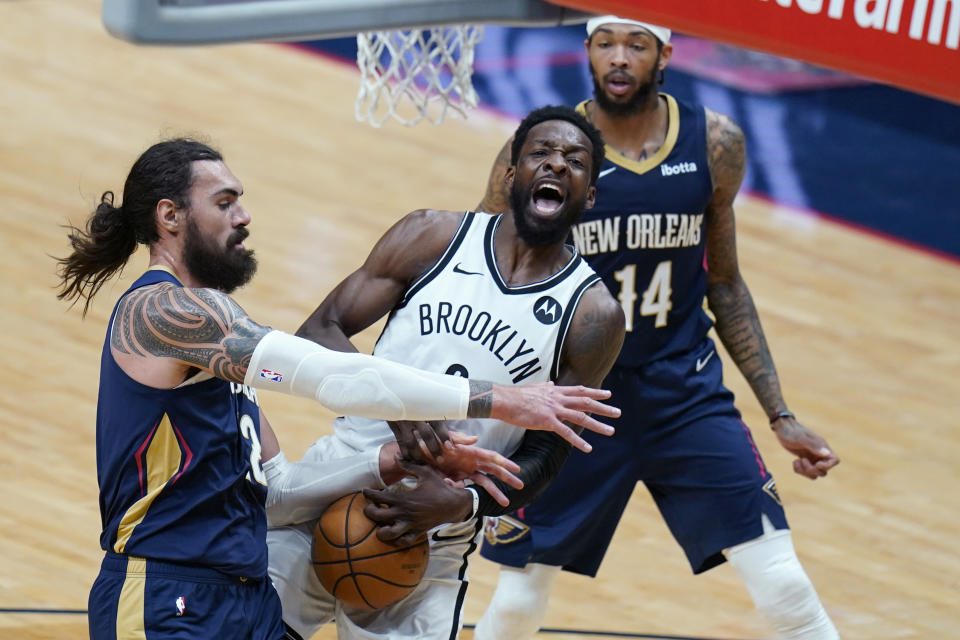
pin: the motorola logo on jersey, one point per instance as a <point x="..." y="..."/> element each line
<point x="676" y="169"/>
<point x="547" y="310"/>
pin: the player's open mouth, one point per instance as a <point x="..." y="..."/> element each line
<point x="547" y="199"/>
<point x="236" y="241"/>
<point x="618" y="84"/>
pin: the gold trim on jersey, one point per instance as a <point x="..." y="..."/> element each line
<point x="162" y="462"/>
<point x="770" y="488"/>
<point x="642" y="166"/>
<point x="132" y="601"/>
<point x="160" y="267"/>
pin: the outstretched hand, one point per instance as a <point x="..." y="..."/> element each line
<point x="543" y="406"/>
<point x="404" y="515"/>
<point x="462" y="460"/>
<point x="814" y="456"/>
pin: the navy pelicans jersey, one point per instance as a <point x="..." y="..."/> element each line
<point x="179" y="469"/>
<point x="461" y="318"/>
<point x="646" y="237"/>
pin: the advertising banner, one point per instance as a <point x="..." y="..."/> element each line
<point x="914" y="44"/>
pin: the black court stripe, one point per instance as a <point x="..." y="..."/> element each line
<point x="618" y="634"/>
<point x="47" y="611"/>
<point x="613" y="634"/>
<point x="293" y="635"/>
<point x="290" y="633"/>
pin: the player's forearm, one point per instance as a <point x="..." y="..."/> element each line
<point x="355" y="383"/>
<point x="739" y="329"/>
<point x="300" y="491"/>
<point x="541" y="455"/>
<point x="327" y="333"/>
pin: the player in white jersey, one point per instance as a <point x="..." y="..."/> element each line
<point x="468" y="294"/>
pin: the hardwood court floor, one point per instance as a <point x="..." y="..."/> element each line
<point x="864" y="331"/>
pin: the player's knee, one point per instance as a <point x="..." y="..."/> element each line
<point x="788" y="600"/>
<point x="781" y="589"/>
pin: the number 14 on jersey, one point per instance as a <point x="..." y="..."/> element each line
<point x="656" y="298"/>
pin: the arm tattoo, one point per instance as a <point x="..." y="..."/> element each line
<point x="481" y="399"/>
<point x="738" y="326"/>
<point x="726" y="155"/>
<point x="497" y="199"/>
<point x="595" y="339"/>
<point x="201" y="327"/>
<point x="737" y="322"/>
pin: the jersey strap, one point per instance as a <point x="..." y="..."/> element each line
<point x="448" y="254"/>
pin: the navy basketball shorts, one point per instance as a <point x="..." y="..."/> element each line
<point x="680" y="434"/>
<point x="136" y="598"/>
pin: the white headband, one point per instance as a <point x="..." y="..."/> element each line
<point x="662" y="33"/>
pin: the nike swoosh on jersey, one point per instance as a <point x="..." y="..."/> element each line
<point x="457" y="269"/>
<point x="702" y="363"/>
<point x="605" y="172"/>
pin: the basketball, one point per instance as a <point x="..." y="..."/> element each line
<point x="355" y="566"/>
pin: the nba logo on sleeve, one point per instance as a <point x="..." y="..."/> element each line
<point x="272" y="376"/>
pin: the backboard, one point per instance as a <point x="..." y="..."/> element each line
<point x="184" y="22"/>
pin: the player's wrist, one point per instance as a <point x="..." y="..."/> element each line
<point x="390" y="471"/>
<point x="472" y="503"/>
<point x="481" y="403"/>
<point x="777" y="416"/>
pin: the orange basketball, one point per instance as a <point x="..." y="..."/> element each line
<point x="355" y="566"/>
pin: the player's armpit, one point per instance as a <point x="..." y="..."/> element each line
<point x="202" y="328"/>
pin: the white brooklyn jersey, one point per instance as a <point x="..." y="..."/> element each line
<point x="461" y="318"/>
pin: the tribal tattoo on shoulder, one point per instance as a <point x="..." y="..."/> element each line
<point x="202" y="327"/>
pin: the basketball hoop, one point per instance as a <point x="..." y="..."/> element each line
<point x="414" y="74"/>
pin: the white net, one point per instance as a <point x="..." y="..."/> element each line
<point x="416" y="74"/>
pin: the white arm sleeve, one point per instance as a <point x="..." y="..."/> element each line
<point x="354" y="383"/>
<point x="299" y="492"/>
